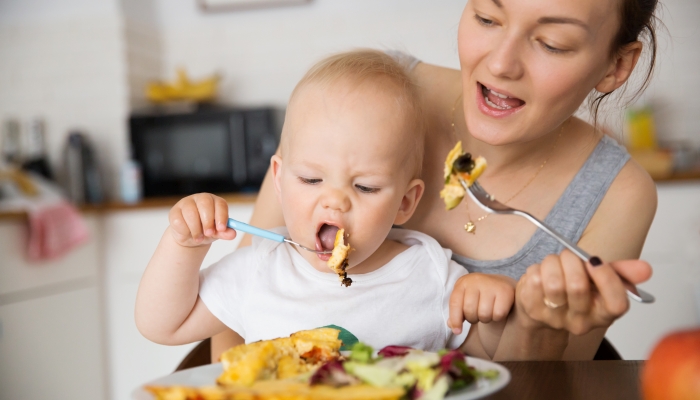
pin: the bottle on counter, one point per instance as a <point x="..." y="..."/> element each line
<point x="130" y="182"/>
<point x="10" y="142"/>
<point x="83" y="183"/>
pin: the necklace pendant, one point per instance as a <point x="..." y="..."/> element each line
<point x="470" y="227"/>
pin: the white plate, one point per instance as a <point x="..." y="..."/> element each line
<point x="206" y="376"/>
<point x="483" y="387"/>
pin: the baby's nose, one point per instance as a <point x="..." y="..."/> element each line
<point x="335" y="199"/>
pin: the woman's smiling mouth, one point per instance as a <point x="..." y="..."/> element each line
<point x="496" y="104"/>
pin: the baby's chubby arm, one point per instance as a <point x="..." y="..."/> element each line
<point x="485" y="300"/>
<point x="168" y="308"/>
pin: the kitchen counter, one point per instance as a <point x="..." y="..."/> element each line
<point x="156" y="202"/>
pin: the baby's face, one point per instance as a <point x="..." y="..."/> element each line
<point x="343" y="165"/>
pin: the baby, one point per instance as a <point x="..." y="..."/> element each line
<point x="350" y="158"/>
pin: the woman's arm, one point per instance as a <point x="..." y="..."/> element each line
<point x="266" y="214"/>
<point x="574" y="330"/>
<point x="623" y="219"/>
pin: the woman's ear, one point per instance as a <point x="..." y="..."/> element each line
<point x="620" y="68"/>
<point x="276" y="167"/>
<point x="409" y="202"/>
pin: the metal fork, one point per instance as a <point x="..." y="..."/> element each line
<point x="489" y="204"/>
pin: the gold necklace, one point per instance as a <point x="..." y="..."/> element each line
<point x="470" y="226"/>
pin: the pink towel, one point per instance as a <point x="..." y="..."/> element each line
<point x="54" y="229"/>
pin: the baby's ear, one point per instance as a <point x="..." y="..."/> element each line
<point x="409" y="202"/>
<point x="276" y="168"/>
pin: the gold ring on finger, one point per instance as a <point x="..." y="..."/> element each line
<point x="551" y="304"/>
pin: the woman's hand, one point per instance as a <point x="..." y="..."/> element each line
<point x="200" y="219"/>
<point x="480" y="298"/>
<point x="563" y="292"/>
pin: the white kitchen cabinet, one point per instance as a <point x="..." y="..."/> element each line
<point x="67" y="326"/>
<point x="673" y="250"/>
<point x="17" y="275"/>
<point x="51" y="347"/>
<point x="51" y="320"/>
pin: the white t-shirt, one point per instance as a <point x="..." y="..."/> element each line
<point x="269" y="290"/>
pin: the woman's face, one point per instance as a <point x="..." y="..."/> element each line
<point x="529" y="64"/>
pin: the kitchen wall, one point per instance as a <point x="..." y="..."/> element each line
<point x="144" y="51"/>
<point x="673" y="91"/>
<point x="64" y="61"/>
<point x="262" y="53"/>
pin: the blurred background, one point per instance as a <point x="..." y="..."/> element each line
<point x="110" y="110"/>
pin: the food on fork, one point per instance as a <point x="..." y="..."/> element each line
<point x="459" y="164"/>
<point x="339" y="258"/>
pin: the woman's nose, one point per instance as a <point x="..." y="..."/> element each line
<point x="336" y="200"/>
<point x="504" y="60"/>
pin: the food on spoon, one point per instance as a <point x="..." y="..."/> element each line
<point x="339" y="258"/>
<point x="459" y="164"/>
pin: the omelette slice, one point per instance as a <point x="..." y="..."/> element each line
<point x="459" y="164"/>
<point x="277" y="390"/>
<point x="339" y="258"/>
<point x="282" y="358"/>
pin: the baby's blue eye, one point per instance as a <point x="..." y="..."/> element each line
<point x="366" y="189"/>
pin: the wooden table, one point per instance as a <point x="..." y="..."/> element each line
<point x="597" y="380"/>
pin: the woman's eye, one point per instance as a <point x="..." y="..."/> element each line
<point x="552" y="49"/>
<point x="366" y="189"/>
<point x="483" y="21"/>
<point x="309" y="181"/>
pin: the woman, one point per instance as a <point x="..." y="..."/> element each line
<point x="526" y="67"/>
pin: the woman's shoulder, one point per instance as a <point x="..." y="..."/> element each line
<point x="439" y="86"/>
<point x="634" y="189"/>
<point x="625" y="214"/>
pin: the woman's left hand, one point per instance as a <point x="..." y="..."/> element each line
<point x="563" y="292"/>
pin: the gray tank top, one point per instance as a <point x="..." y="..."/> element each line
<point x="569" y="216"/>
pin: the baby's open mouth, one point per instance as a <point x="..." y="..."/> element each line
<point x="499" y="101"/>
<point x="330" y="237"/>
<point x="326" y="237"/>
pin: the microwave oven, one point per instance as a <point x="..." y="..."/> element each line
<point x="211" y="149"/>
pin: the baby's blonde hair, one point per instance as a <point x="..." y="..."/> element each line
<point x="365" y="64"/>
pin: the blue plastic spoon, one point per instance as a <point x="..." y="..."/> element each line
<point x="253" y="230"/>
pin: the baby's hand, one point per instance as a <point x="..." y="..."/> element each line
<point x="480" y="298"/>
<point x="200" y="219"/>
